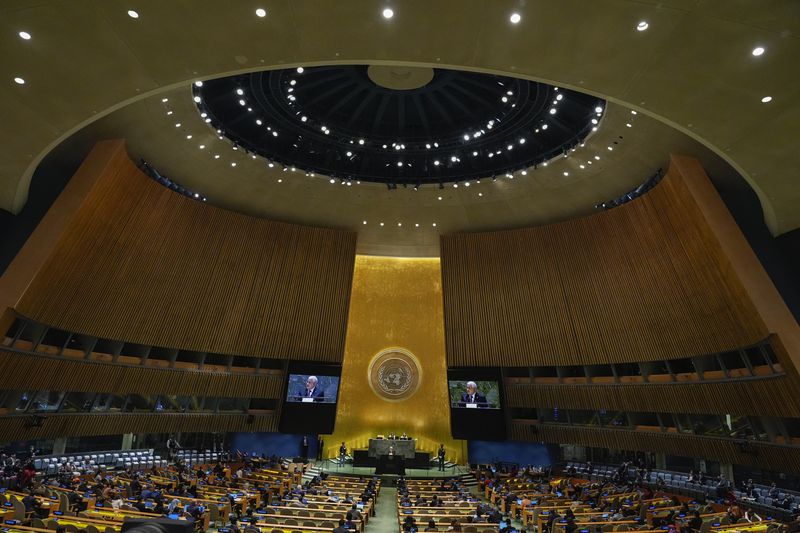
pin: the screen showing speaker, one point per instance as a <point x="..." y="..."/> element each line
<point x="312" y="388"/>
<point x="311" y="393"/>
<point x="474" y="394"/>
<point x="476" y="403"/>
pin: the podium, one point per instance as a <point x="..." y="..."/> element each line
<point x="402" y="447"/>
<point x="390" y="464"/>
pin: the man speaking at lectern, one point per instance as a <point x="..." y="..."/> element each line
<point x="472" y="396"/>
<point x="311" y="391"/>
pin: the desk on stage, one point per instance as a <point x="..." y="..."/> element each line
<point x="405" y="448"/>
<point x="390" y="464"/>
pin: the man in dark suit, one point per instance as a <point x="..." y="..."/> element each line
<point x="312" y="390"/>
<point x="441" y="454"/>
<point x="472" y="396"/>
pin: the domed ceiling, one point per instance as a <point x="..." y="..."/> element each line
<point x="397" y="125"/>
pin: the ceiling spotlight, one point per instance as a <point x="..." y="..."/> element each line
<point x="544" y="127"/>
<point x="233" y="163"/>
<point x="597" y="157"/>
<point x="559" y="97"/>
<point x="610" y="148"/>
<point x="216" y="156"/>
<point x="165" y="100"/>
<point x="416" y="225"/>
<point x="240" y="92"/>
<point x="434" y="224"/>
<point x="399" y="163"/>
<point x="466" y="137"/>
<point x="552" y="110"/>
<point x="27" y="36"/>
<point x="332" y="180"/>
<point x="598" y="109"/>
<point x="453" y="158"/>
<point x="628" y="124"/>
<point x="202" y="146"/>
<point x="480" y="194"/>
<point x="381" y="224"/>
<point x="365" y="222"/>
<point x="242" y="102"/>
<point x="515" y="18"/>
<point x="19" y="81"/>
<point x="643" y="25"/>
<point x="566" y="173"/>
<point x="504" y="99"/>
<point x="633" y="112"/>
<point x="261" y="12"/>
<point x="466" y="184"/>
<point x="208" y="120"/>
<point x="437" y="163"/>
<point x="757" y="51"/>
<point x="428" y="146"/>
<point x="258" y="121"/>
<point x="440" y="197"/>
<point x="293" y="82"/>
<point x="455" y="185"/>
<point x="388" y="13"/>
<point x="361" y="141"/>
<point x="198" y="83"/>
<point x="766" y="100"/>
<point x="594" y="121"/>
<point x="300" y="70"/>
<point x="133" y="14"/>
<point x="349" y="154"/>
<point x="188" y="136"/>
<point x="178" y="125"/>
<point x="399" y="224"/>
<point x="303" y="118"/>
<point x="582" y="166"/>
<point x="197" y="99"/>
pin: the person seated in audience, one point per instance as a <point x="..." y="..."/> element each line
<point x="478" y="517"/>
<point x="354" y="514"/>
<point x="431" y="525"/>
<point x="455" y="525"/>
<point x="349" y="523"/>
<point x="410" y="524"/>
<point x="695" y="522"/>
<point x="347" y="498"/>
<point x="420" y="501"/>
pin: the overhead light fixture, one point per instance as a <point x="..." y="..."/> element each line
<point x="261" y="12"/>
<point x="197" y="99"/>
<point x="515" y="18"/>
<point x="628" y="124"/>
<point x="27" y="36"/>
<point x="766" y="100"/>
<point x="757" y="51"/>
<point x="19" y="81"/>
<point x="643" y="25"/>
<point x="388" y="13"/>
<point x="300" y="70"/>
<point x="133" y="14"/>
<point x="198" y="83"/>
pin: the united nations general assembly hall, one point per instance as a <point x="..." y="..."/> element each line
<point x="394" y="266"/>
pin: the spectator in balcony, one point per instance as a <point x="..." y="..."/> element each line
<point x="431" y="525"/>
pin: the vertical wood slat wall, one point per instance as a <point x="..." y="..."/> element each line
<point x="145" y="264"/>
<point x="644" y="281"/>
<point x="19" y="371"/>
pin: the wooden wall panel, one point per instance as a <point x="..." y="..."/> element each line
<point x="143" y="264"/>
<point x="15" y="428"/>
<point x="644" y="281"/>
<point x="767" y="456"/>
<point x="771" y="396"/>
<point x="37" y="372"/>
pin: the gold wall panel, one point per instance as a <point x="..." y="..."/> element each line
<point x="395" y="302"/>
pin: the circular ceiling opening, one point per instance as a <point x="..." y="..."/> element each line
<point x="397" y="125"/>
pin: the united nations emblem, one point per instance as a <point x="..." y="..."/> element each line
<point x="394" y="374"/>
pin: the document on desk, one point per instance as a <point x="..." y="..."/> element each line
<point x="471" y="405"/>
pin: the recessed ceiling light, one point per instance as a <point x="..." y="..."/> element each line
<point x="365" y="222"/>
<point x="261" y="12"/>
<point x="399" y="224"/>
<point x="434" y="224"/>
<point x="300" y="70"/>
<point x="178" y="125"/>
<point x="197" y="99"/>
<point x="544" y="127"/>
<point x="566" y="173"/>
<point x="552" y="110"/>
<point x="233" y="163"/>
<point x="440" y="197"/>
<point x="504" y="99"/>
<point x="515" y="18"/>
<point x="594" y="121"/>
<point x="332" y="180"/>
<point x="27" y="36"/>
<point x="757" y="51"/>
<point x="169" y="112"/>
<point x="198" y="83"/>
<point x="633" y="112"/>
<point x="597" y="157"/>
<point x="399" y="163"/>
<point x="216" y="156"/>
<point x="628" y="124"/>
<point x="189" y="136"/>
<point x="133" y="14"/>
<point x="643" y="25"/>
<point x="381" y="224"/>
<point x="766" y="99"/>
<point x="202" y="146"/>
<point x="165" y="100"/>
<point x="388" y="13"/>
<point x="19" y="81"/>
<point x="416" y="225"/>
<point x="582" y="166"/>
<point x="480" y="194"/>
<point x="610" y="148"/>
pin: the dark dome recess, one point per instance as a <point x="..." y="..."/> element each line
<point x="397" y="125"/>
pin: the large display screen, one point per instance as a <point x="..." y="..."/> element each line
<point x="474" y="394"/>
<point x="311" y="394"/>
<point x="476" y="403"/>
<point x="311" y="388"/>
